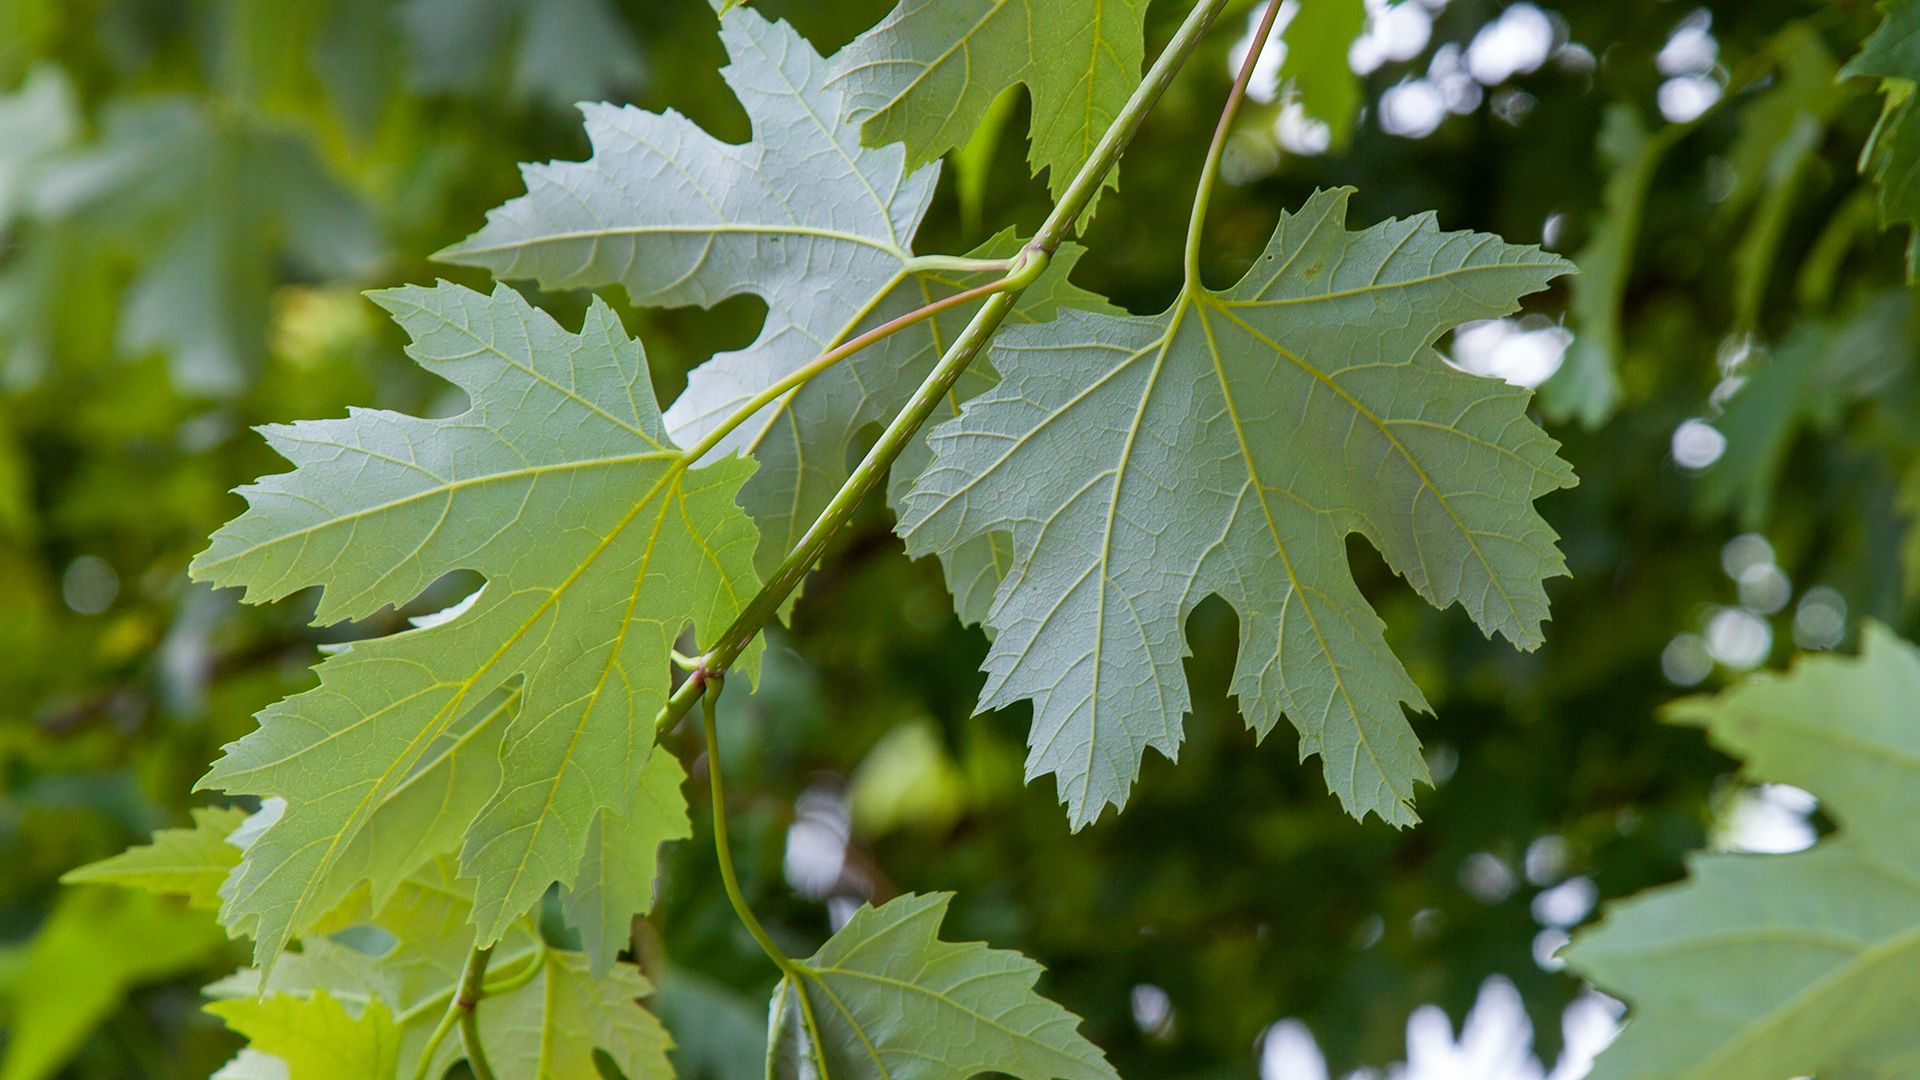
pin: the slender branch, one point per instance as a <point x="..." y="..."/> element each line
<point x="959" y="263"/>
<point x="806" y="372"/>
<point x="722" y="851"/>
<point x="467" y="1002"/>
<point x="507" y="984"/>
<point x="1024" y="270"/>
<point x="1203" y="195"/>
<point x="790" y="970"/>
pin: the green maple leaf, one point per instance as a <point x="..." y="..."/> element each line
<point x="1228" y="446"/>
<point x="314" y="1037"/>
<point x="763" y="218"/>
<point x="1784" y="965"/>
<point x="547" y="1027"/>
<point x="182" y="862"/>
<point x="886" y="998"/>
<point x="560" y="486"/>
<point x="1892" y="55"/>
<point x="616" y="880"/>
<point x="928" y="72"/>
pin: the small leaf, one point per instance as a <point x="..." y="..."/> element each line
<point x="560" y="486"/>
<point x="1228" y="447"/>
<point x="547" y="1027"/>
<point x="889" y="1000"/>
<point x="1786" y="965"/>
<point x="315" y="1037"/>
<point x="181" y="862"/>
<point x="1587" y="386"/>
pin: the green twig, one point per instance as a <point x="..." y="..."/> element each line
<point x="467" y="1003"/>
<point x="806" y="372"/>
<point x="872" y="470"/>
<point x="1203" y="195"/>
<point x="723" y="854"/>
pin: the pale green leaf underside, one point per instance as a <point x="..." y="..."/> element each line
<point x="1787" y="965"/>
<point x="675" y="217"/>
<point x="927" y="73"/>
<point x="562" y="489"/>
<point x="1228" y="447"/>
<point x="893" y="1002"/>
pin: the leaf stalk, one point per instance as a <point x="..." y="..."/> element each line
<point x="1209" y="173"/>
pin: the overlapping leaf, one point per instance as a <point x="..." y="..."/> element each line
<point x="887" y="999"/>
<point x="1787" y="965"/>
<point x="927" y="73"/>
<point x="1228" y="447"/>
<point x="561" y="487"/>
<point x="802" y="217"/>
<point x="1892" y="55"/>
<point x="548" y="1027"/>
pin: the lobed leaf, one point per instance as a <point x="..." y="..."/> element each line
<point x="1228" y="446"/>
<point x="803" y="217"/>
<point x="886" y="998"/>
<point x="561" y="487"/>
<point x="1786" y="965"/>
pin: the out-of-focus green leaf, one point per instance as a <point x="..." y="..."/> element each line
<point x="1820" y="368"/>
<point x="555" y="51"/>
<point x="1317" y="40"/>
<point x="206" y="206"/>
<point x="1785" y="965"/>
<point x="191" y="863"/>
<point x="36" y="122"/>
<point x="1229" y="446"/>
<point x="96" y="946"/>
<point x="1587" y="386"/>
<point x="559" y="485"/>
<point x="1892" y="55"/>
<point x="886" y="998"/>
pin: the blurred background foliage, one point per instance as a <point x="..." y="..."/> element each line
<point x="194" y="192"/>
